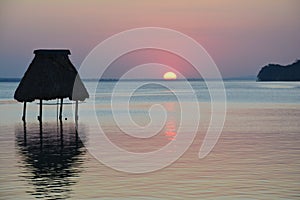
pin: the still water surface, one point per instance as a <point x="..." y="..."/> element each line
<point x="256" y="157"/>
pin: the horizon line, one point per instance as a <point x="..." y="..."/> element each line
<point x="2" y="79"/>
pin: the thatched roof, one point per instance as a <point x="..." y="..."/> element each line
<point x="51" y="75"/>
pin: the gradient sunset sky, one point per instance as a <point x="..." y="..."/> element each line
<point x="240" y="36"/>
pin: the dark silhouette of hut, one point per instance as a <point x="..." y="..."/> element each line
<point x="51" y="75"/>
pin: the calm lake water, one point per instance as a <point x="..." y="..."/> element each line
<point x="256" y="157"/>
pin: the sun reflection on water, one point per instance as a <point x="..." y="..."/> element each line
<point x="170" y="129"/>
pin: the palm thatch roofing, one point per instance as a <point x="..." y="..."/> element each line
<point x="51" y="75"/>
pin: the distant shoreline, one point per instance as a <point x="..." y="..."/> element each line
<point x="10" y="79"/>
<point x="130" y="80"/>
<point x="276" y="72"/>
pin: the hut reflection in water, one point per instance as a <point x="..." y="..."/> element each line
<point x="51" y="159"/>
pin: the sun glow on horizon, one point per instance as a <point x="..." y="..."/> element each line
<point x="170" y="76"/>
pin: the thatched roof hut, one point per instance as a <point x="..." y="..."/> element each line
<point x="51" y="75"/>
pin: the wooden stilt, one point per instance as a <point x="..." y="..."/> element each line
<point x="76" y="110"/>
<point x="41" y="111"/>
<point x="24" y="112"/>
<point x="57" y="101"/>
<point x="60" y="110"/>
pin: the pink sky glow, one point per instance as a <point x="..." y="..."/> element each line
<point x="241" y="36"/>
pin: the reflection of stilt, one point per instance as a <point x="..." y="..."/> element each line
<point x="76" y="120"/>
<point x="76" y="130"/>
<point x="61" y="134"/>
<point x="50" y="166"/>
<point x="25" y="133"/>
<point x="24" y="112"/>
<point x="41" y="135"/>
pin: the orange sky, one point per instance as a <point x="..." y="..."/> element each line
<point x="241" y="36"/>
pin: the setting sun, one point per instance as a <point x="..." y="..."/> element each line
<point x="170" y="76"/>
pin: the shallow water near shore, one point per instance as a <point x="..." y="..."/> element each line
<point x="256" y="157"/>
